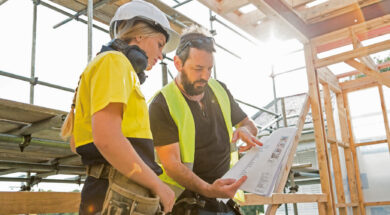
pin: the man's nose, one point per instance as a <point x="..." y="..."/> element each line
<point x="205" y="75"/>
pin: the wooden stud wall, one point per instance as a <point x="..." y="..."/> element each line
<point x="334" y="150"/>
<point x="319" y="129"/>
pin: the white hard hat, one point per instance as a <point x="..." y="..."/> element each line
<point x="141" y="10"/>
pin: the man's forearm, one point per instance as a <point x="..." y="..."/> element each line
<point x="188" y="179"/>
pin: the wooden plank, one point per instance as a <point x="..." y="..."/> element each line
<point x="230" y="6"/>
<point x="369" y="72"/>
<point x="222" y="7"/>
<point x="323" y="9"/>
<point x="279" y="19"/>
<point x="348" y="74"/>
<point x="334" y="149"/>
<point x="384" y="112"/>
<point x="377" y="203"/>
<point x="319" y="129"/>
<point x="345" y="136"/>
<point x="345" y="205"/>
<point x="331" y="9"/>
<point x="297" y="3"/>
<point x="282" y="198"/>
<point x="366" y="30"/>
<point x="325" y="76"/>
<point x="370" y="143"/>
<point x="360" y="52"/>
<point x="246" y="21"/>
<point x="367" y="60"/>
<point x="38" y="202"/>
<point x="321" y="208"/>
<point x="352" y="170"/>
<point x="334" y="141"/>
<point x="286" y="170"/>
<point x="362" y="83"/>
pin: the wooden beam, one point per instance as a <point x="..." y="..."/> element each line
<point x="338" y="177"/>
<point x="321" y="208"/>
<point x="227" y="6"/>
<point x="384" y="112"/>
<point x="281" y="198"/>
<point x="319" y="129"/>
<point x="342" y="37"/>
<point x="224" y="6"/>
<point x="334" y="141"/>
<point x="348" y="19"/>
<point x="349" y="160"/>
<point x="362" y="83"/>
<point x="268" y="8"/>
<point x="246" y="21"/>
<point x="369" y="72"/>
<point x="297" y="3"/>
<point x="286" y="170"/>
<point x="345" y="205"/>
<point x="359" y="52"/>
<point x="371" y="143"/>
<point x="377" y="203"/>
<point x="331" y="9"/>
<point x="367" y="60"/>
<point x="38" y="202"/>
<point x="249" y="22"/>
<point x="355" y="172"/>
<point x="347" y="74"/>
<point x="325" y="76"/>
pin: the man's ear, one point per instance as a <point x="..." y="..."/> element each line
<point x="178" y="63"/>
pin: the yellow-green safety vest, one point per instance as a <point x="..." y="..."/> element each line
<point x="182" y="116"/>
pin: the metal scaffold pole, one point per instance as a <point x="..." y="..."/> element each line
<point x="33" y="51"/>
<point x="213" y="32"/>
<point x="90" y="23"/>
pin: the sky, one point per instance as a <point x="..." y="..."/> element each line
<point x="61" y="56"/>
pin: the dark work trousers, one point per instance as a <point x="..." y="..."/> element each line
<point x="92" y="195"/>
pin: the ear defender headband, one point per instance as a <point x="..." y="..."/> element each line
<point x="136" y="56"/>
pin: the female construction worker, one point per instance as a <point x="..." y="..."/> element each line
<point x="111" y="125"/>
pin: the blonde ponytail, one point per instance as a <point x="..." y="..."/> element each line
<point x="67" y="126"/>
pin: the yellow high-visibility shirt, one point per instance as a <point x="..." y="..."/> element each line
<point x="109" y="78"/>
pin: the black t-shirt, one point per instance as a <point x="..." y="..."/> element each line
<point x="212" y="148"/>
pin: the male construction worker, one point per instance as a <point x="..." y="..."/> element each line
<point x="191" y="122"/>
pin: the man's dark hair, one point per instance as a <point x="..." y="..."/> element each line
<point x="195" y="39"/>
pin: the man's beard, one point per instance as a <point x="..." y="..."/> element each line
<point x="190" y="87"/>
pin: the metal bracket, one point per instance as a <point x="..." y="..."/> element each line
<point x="34" y="81"/>
<point x="293" y="189"/>
<point x="33" y="180"/>
<point x="79" y="180"/>
<point x="37" y="2"/>
<point x="25" y="143"/>
<point x="56" y="165"/>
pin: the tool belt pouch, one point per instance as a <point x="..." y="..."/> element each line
<point x="125" y="197"/>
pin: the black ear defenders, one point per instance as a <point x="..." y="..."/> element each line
<point x="136" y="56"/>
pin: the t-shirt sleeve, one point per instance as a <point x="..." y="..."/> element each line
<point x="237" y="113"/>
<point x="111" y="82"/>
<point x="164" y="129"/>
